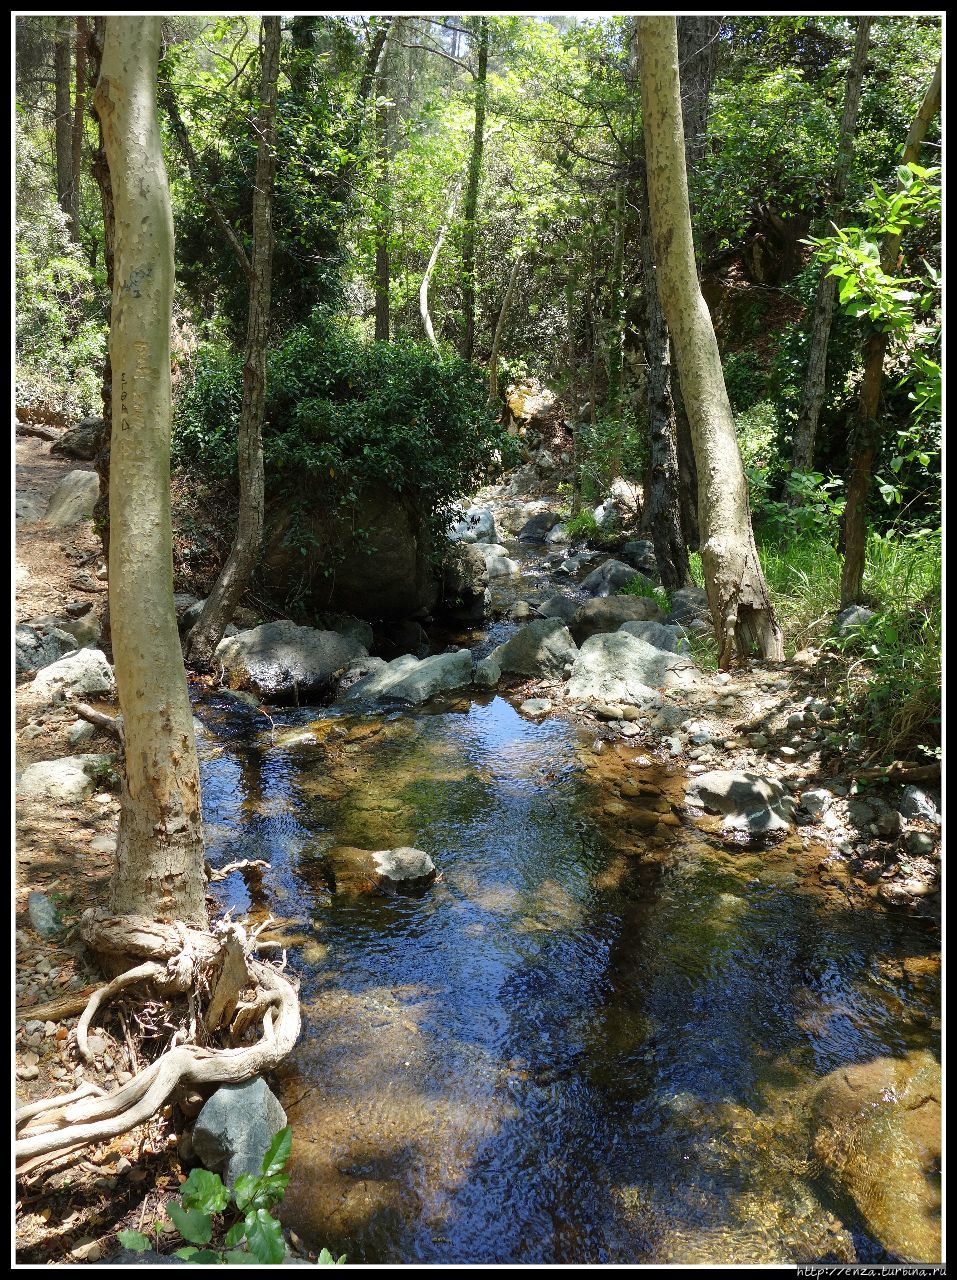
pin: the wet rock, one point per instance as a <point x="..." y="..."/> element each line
<point x="673" y="639"/>
<point x="73" y="499"/>
<point x="611" y="577"/>
<point x="39" y="643"/>
<point x="415" y="680"/>
<point x="542" y="648"/>
<point x="84" y="672"/>
<point x="283" y="662"/>
<point x="851" y="619"/>
<point x="558" y="536"/>
<point x="536" y="707"/>
<point x="403" y="870"/>
<point x="617" y="668"/>
<point x="563" y="607"/>
<point x="689" y="604"/>
<point x="354" y="872"/>
<point x="752" y="804"/>
<point x="69" y="778"/>
<point x="574" y="564"/>
<point x="487" y="674"/>
<point x="234" y="1129"/>
<point x="877" y="1129"/>
<point x="917" y="803"/>
<point x="80" y="442"/>
<point x="606" y="614"/>
<point x="539" y="526"/>
<point x="476" y="525"/>
<point x="905" y="893"/>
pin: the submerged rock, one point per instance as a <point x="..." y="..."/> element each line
<point x="415" y="680"/>
<point x="282" y="662"/>
<point x="542" y="648"/>
<point x="876" y="1127"/>
<point x="353" y="872"/>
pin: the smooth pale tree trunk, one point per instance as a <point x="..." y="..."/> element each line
<point x="236" y="572"/>
<point x="866" y="432"/>
<point x="63" y="122"/>
<point x="499" y="330"/>
<point x="159" y="847"/>
<point x="76" y="141"/>
<point x="427" y="278"/>
<point x="470" y="209"/>
<point x="740" y="605"/>
<point x="812" y="394"/>
<point x="662" y="503"/>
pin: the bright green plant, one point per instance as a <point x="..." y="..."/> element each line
<point x="647" y="590"/>
<point x="240" y="1217"/>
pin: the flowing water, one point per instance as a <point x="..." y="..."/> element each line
<point x="591" y="1040"/>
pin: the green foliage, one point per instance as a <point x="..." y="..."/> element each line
<point x="609" y="447"/>
<point x="253" y="1236"/>
<point x="647" y="591"/>
<point x="345" y="414"/>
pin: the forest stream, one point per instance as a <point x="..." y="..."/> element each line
<point x="587" y="1041"/>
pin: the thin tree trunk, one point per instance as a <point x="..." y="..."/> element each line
<point x="866" y="432"/>
<point x="740" y="605"/>
<point x="662" y="502"/>
<point x="383" y="224"/>
<point x="616" y="319"/>
<point x="101" y="173"/>
<point x="63" y="123"/>
<point x="697" y="43"/>
<point x="159" y="848"/>
<point x="812" y="394"/>
<point x="76" y="142"/>
<point x="499" y="329"/>
<point x="688" y="491"/>
<point x="424" y="286"/>
<point x="236" y="572"/>
<point x="471" y="196"/>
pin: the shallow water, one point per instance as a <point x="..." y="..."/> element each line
<point x="592" y="1040"/>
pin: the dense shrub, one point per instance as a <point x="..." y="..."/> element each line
<point x="344" y="414"/>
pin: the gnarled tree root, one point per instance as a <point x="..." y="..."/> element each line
<point x="180" y="960"/>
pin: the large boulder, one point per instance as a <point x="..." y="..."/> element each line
<point x="543" y="648"/>
<point x="282" y="662"/>
<point x="409" y="679"/>
<point x="39" y="643"/>
<point x="464" y="582"/>
<point x="608" y="613"/>
<point x="379" y="550"/>
<point x="85" y="672"/>
<point x="538" y="526"/>
<point x="563" y="607"/>
<point x="689" y="604"/>
<point x="80" y="442"/>
<point x="73" y="499"/>
<point x="611" y="577"/>
<point x="672" y="639"/>
<point x="876" y="1128"/>
<point x="68" y="779"/>
<point x="752" y="804"/>
<point x="235" y="1127"/>
<point x="613" y="669"/>
<point x="497" y="561"/>
<point x="477" y="525"/>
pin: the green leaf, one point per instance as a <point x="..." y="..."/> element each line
<point x="134" y="1240"/>
<point x="235" y="1233"/>
<point x="326" y="1259"/>
<point x="265" y="1236"/>
<point x="248" y="1190"/>
<point x="242" y="1258"/>
<point x="204" y="1191"/>
<point x="278" y="1153"/>
<point x="904" y="175"/>
<point x="192" y="1225"/>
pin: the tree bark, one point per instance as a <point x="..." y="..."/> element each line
<point x="740" y="605"/>
<point x="812" y="394"/>
<point x="471" y="195"/>
<point x="236" y="572"/>
<point x="499" y="329"/>
<point x="384" y="129"/>
<point x="159" y="850"/>
<point x="101" y="173"/>
<point x="697" y="43"/>
<point x="866" y="431"/>
<point x="424" y="286"/>
<point x="76" y="141"/>
<point x="63" y="123"/>
<point x="662" y="501"/>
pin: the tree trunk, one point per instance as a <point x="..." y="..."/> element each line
<point x="471" y="196"/>
<point x="424" y="286"/>
<point x="662" y="502"/>
<point x="740" y="605"/>
<point x="236" y="572"/>
<point x="76" y="142"/>
<point x="499" y="329"/>
<point x="812" y="394"/>
<point x="63" y="124"/>
<point x="697" y="42"/>
<point x="159" y="848"/>
<point x="865" y="432"/>
<point x="101" y="173"/>
<point x="385" y="125"/>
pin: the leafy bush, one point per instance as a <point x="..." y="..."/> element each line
<point x="344" y="413"/>
<point x="608" y="448"/>
<point x="648" y="591"/>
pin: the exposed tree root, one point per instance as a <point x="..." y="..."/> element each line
<point x="175" y="961"/>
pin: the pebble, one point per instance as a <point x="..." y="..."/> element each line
<point x="919" y="843"/>
<point x="28" y="1073"/>
<point x="643" y="762"/>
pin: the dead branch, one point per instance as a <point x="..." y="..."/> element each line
<point x="901" y="771"/>
<point x="113" y="725"/>
<point x="246" y="864"/>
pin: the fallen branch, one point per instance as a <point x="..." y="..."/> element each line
<point x="64" y="1006"/>
<point x="901" y="771"/>
<point x="246" y="864"/>
<point x="112" y="725"/>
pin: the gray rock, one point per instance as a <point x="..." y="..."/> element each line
<point x="85" y="628"/>
<point x="148" y="1258"/>
<point x="636" y="660"/>
<point x="640" y="554"/>
<point x="409" y="679"/>
<point x="536" y="706"/>
<point x="80" y="733"/>
<point x="465" y="582"/>
<point x="80" y="442"/>
<point x="917" y="803"/>
<point x="608" y="613"/>
<point x="68" y="779"/>
<point x="190" y="616"/>
<point x="497" y="562"/>
<point x="751" y="803"/>
<point x="920" y="843"/>
<point x="689" y="604"/>
<point x="356" y="671"/>
<point x="542" y="648"/>
<point x="282" y="662"/>
<point x="476" y="525"/>
<point x="574" y="564"/>
<point x="487" y="674"/>
<point x="84" y="672"/>
<point x="38" y="645"/>
<point x="816" y="802"/>
<point x="673" y="639"/>
<point x="74" y="498"/>
<point x="611" y="577"/>
<point x="28" y="508"/>
<point x="558" y="536"/>
<point x="403" y="870"/>
<point x="563" y="607"/>
<point x="539" y="526"/>
<point x="235" y="1127"/>
<point x="608" y="514"/>
<point x="614" y="668"/>
<point x="851" y="618"/>
<point x="43" y="915"/>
